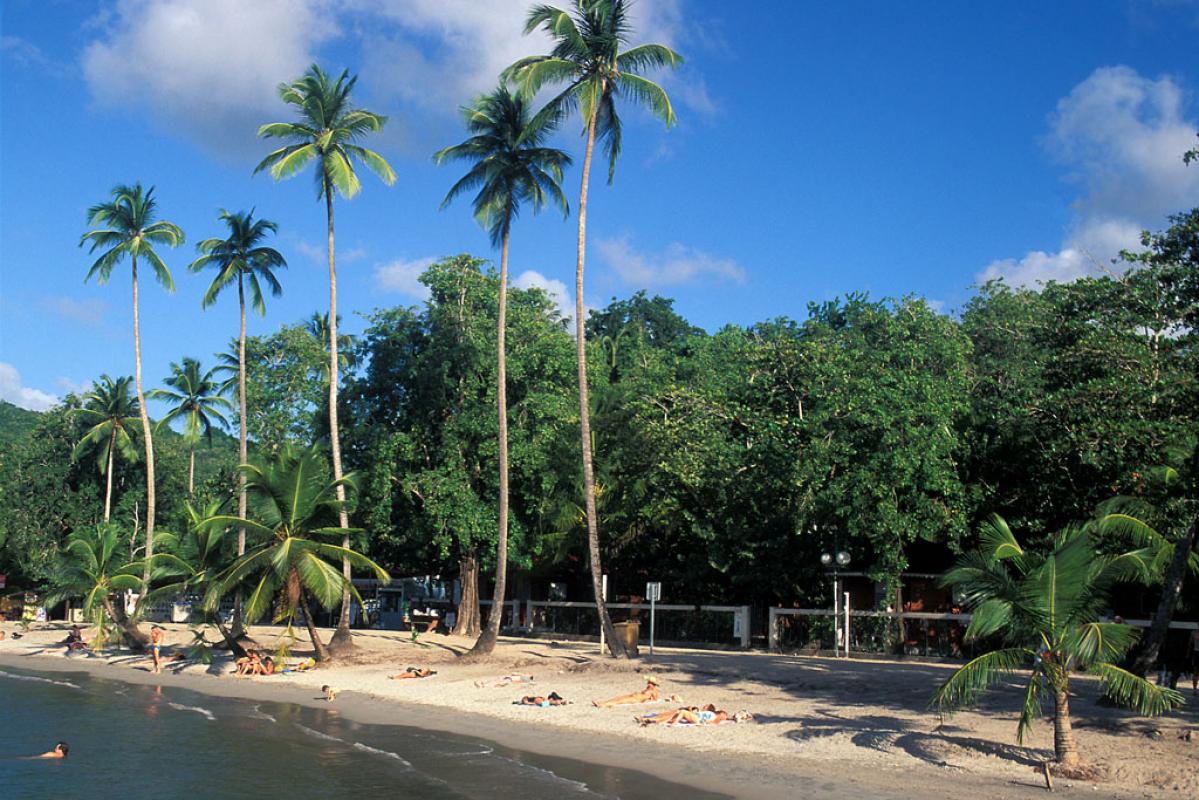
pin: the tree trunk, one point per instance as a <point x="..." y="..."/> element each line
<point x="1063" y="733"/>
<point x="467" y="623"/>
<point x="615" y="647"/>
<point x="191" y="472"/>
<point x="145" y="414"/>
<point x="1171" y="590"/>
<point x="242" y="453"/>
<point x="322" y="654"/>
<point x="486" y="642"/>
<point x="112" y="445"/>
<point x="133" y="635"/>
<point x="342" y="638"/>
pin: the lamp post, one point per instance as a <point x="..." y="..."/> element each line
<point x="836" y="560"/>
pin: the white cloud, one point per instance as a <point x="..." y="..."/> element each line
<point x="320" y="253"/>
<point x="90" y="311"/>
<point x="70" y="386"/>
<point x="29" y="56"/>
<point x="23" y="396"/>
<point x="555" y="289"/>
<point x="678" y="264"/>
<point x="1122" y="137"/>
<point x="403" y="276"/>
<point x="206" y="69"/>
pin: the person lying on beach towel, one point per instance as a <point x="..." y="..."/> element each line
<point x="552" y="699"/>
<point x="693" y="715"/>
<point x="414" y="672"/>
<point x="647" y="695"/>
<point x="506" y="680"/>
<point x="303" y="666"/>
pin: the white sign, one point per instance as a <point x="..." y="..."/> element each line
<point x="653" y="591"/>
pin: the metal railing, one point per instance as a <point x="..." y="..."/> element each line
<point x="675" y="623"/>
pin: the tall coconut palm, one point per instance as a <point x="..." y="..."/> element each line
<point x="113" y="411"/>
<point x="128" y="228"/>
<point x="325" y="131"/>
<point x="318" y="326"/>
<point x="195" y="397"/>
<point x="588" y="57"/>
<point x="1044" y="608"/>
<point x="294" y="505"/>
<point x="510" y="167"/>
<point x="241" y="258"/>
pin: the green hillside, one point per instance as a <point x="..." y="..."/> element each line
<point x="15" y="423"/>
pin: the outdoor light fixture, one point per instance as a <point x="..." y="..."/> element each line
<point x="837" y="559"/>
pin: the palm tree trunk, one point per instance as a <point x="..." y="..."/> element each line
<point x="615" y="647"/>
<point x="342" y="638"/>
<point x="242" y="453"/>
<point x="486" y="642"/>
<point x="133" y="635"/>
<point x="1171" y="590"/>
<point x="112" y="444"/>
<point x="1064" y="746"/>
<point x="467" y="623"/>
<point x="322" y="653"/>
<point x="145" y="414"/>
<point x="191" y="472"/>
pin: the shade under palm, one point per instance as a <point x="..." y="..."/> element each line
<point x="1044" y="608"/>
<point x="112" y="411"/>
<point x="587" y="57"/>
<point x="510" y="166"/>
<point x="326" y="131"/>
<point x="128" y="228"/>
<point x="294" y="509"/>
<point x="95" y="569"/>
<point x="194" y="396"/>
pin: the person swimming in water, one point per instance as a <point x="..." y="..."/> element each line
<point x="60" y="751"/>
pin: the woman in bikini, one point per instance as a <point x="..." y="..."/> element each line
<point x="414" y="672"/>
<point x="156" y="648"/>
<point x="647" y="695"/>
<point x="553" y="699"/>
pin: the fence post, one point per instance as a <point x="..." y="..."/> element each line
<point x="772" y="632"/>
<point x="743" y="614"/>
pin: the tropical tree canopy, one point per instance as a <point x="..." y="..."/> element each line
<point x="241" y="254"/>
<point x="111" y="411"/>
<point x="195" y="398"/>
<point x="128" y="228"/>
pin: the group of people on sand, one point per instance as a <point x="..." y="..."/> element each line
<point x="254" y="663"/>
<point x="685" y="715"/>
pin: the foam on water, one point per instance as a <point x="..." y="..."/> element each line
<point x="385" y="753"/>
<point x="207" y="714"/>
<point x="318" y="734"/>
<point x="36" y="679"/>
<point x="260" y="714"/>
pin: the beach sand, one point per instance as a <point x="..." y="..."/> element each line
<point x="822" y="727"/>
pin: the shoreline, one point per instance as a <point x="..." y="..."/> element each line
<point x="741" y="761"/>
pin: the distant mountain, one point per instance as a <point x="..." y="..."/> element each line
<point x="15" y="423"/>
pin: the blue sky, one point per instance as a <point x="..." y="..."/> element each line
<point x="822" y="148"/>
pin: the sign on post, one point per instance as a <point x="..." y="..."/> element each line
<point x="654" y="592"/>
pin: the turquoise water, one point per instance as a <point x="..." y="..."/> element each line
<point x="131" y="741"/>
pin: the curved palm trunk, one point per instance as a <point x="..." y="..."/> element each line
<point x="112" y="443"/>
<point x="145" y="414"/>
<point x="1064" y="747"/>
<point x="322" y="652"/>
<point x="342" y="639"/>
<point x="130" y="632"/>
<point x="1171" y="591"/>
<point x="242" y="454"/>
<point x="486" y="642"/>
<point x="616" y="648"/>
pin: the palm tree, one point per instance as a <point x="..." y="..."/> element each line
<point x="113" y="411"/>
<point x="587" y="57"/>
<point x="128" y="228"/>
<point x="294" y="506"/>
<point x="1137" y="520"/>
<point x="510" y="167"/>
<point x="195" y="396"/>
<point x="243" y="258"/>
<point x="94" y="569"/>
<point x="318" y="327"/>
<point x="326" y="129"/>
<point x="1045" y="609"/>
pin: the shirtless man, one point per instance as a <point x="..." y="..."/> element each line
<point x="156" y="648"/>
<point x="60" y="751"/>
<point x="647" y="695"/>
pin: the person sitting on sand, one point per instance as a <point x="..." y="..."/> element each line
<point x="647" y="695"/>
<point x="268" y="666"/>
<point x="330" y="693"/>
<point x="74" y="640"/>
<point x="414" y="672"/>
<point x="2" y="635"/>
<point x="60" y="751"/>
<point x="506" y="680"/>
<point x="156" y="648"/>
<point x="249" y="664"/>
<point x="552" y="699"/>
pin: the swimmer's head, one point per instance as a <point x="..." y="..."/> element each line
<point x="62" y="747"/>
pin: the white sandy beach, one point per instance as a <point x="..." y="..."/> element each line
<point x="836" y="728"/>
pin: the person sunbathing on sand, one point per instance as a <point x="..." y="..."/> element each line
<point x="707" y="715"/>
<point x="647" y="695"/>
<point x="414" y="672"/>
<point x="553" y="699"/>
<point x="507" y="680"/>
<point x="330" y="693"/>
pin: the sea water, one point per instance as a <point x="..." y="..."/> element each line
<point x="135" y="741"/>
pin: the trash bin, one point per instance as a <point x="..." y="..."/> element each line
<point x="628" y="633"/>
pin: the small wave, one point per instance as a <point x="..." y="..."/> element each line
<point x="486" y="751"/>
<point x="580" y="786"/>
<point x="36" y="679"/>
<point x="260" y="714"/>
<point x="385" y="753"/>
<point x="207" y="714"/>
<point x="319" y="735"/>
